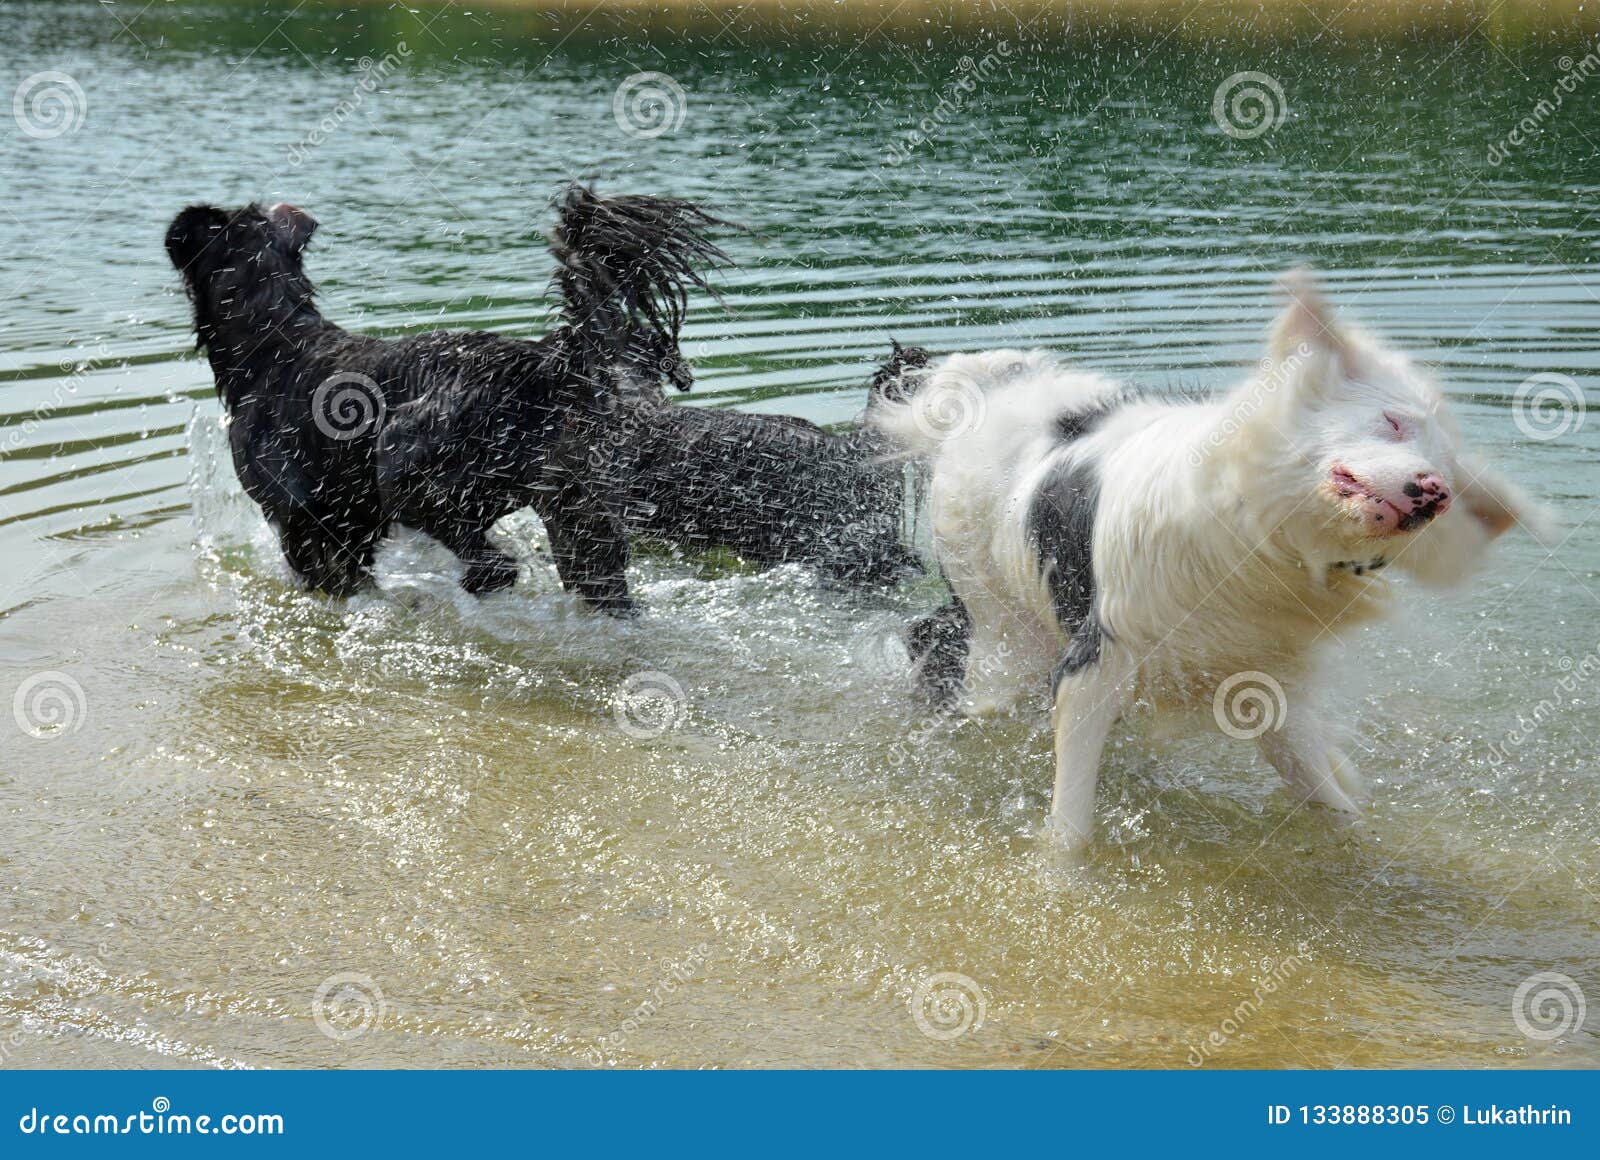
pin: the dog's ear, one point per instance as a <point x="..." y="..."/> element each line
<point x="293" y="225"/>
<point x="1311" y="346"/>
<point x="1497" y="503"/>
<point x="191" y="231"/>
<point x="1308" y="320"/>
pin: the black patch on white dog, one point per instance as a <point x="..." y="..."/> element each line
<point x="1061" y="529"/>
<point x="1082" y="651"/>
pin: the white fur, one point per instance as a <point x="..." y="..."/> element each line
<point x="1223" y="543"/>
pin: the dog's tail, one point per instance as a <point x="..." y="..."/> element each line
<point x="895" y="379"/>
<point x="906" y="402"/>
<point x="624" y="269"/>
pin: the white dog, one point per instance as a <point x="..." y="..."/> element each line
<point x="1111" y="547"/>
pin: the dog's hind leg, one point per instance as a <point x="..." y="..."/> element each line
<point x="938" y="647"/>
<point x="1088" y="702"/>
<point x="591" y="554"/>
<point x="1311" y="763"/>
<point x="488" y="568"/>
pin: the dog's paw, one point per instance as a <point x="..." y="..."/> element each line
<point x="620" y="607"/>
<point x="989" y="706"/>
<point x="1066" y="846"/>
<point x="1339" y="786"/>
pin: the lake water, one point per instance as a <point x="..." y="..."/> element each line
<point x="244" y="825"/>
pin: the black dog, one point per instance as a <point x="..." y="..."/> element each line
<point x="772" y="488"/>
<point x="335" y="435"/>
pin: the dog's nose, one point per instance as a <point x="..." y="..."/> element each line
<point x="1428" y="488"/>
<point x="1432" y="483"/>
<point x="1427" y="495"/>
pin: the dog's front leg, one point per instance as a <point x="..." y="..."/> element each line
<point x="1310" y="762"/>
<point x="591" y="553"/>
<point x="1087" y="704"/>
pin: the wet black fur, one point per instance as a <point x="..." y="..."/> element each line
<point x="471" y="425"/>
<point x="938" y="645"/>
<point x="772" y="488"/>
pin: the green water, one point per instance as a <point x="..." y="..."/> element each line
<point x="432" y="812"/>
